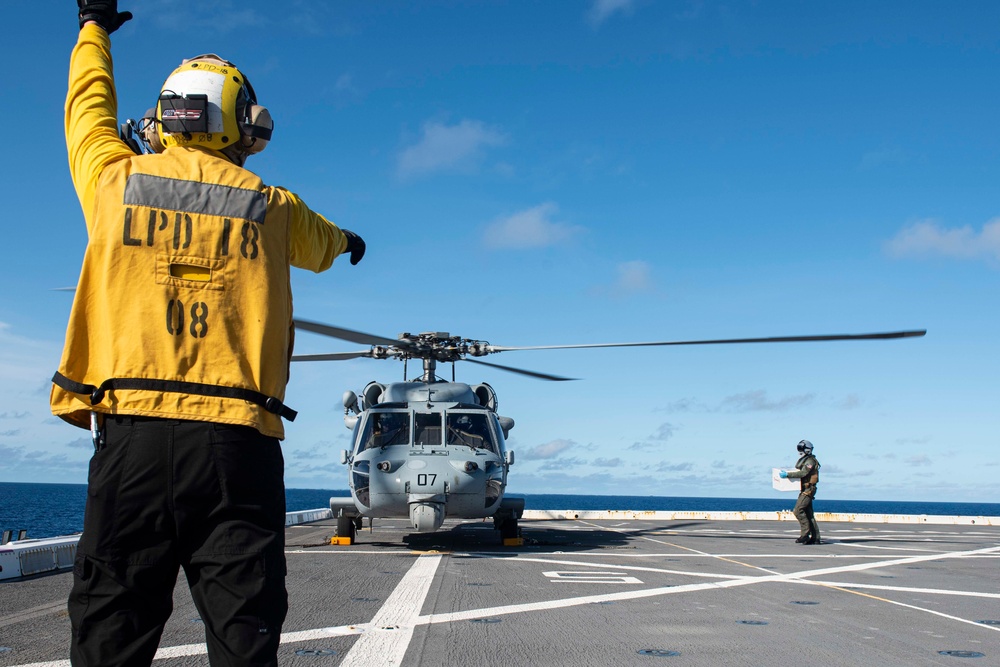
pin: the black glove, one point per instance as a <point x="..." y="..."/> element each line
<point x="104" y="12"/>
<point x="355" y="246"/>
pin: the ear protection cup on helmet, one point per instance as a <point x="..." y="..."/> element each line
<point x="149" y="133"/>
<point x="256" y="129"/>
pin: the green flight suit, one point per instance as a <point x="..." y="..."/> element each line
<point x="807" y="472"/>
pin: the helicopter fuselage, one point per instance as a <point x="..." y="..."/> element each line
<point x="425" y="451"/>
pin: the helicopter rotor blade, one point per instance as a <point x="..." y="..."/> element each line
<point x="521" y="371"/>
<point x="348" y="334"/>
<point x="333" y="356"/>
<point x="719" y="341"/>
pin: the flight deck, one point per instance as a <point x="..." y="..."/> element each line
<point x="610" y="591"/>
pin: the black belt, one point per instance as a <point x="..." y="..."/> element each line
<point x="96" y="393"/>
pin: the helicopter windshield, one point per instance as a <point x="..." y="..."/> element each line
<point x="386" y="428"/>
<point x="427" y="428"/>
<point x="470" y="429"/>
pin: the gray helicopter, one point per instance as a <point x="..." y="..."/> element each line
<point x="427" y="449"/>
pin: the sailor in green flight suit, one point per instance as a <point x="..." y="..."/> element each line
<point x="807" y="472"/>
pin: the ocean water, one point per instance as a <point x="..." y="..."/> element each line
<point x="47" y="510"/>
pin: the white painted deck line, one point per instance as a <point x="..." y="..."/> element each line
<point x="385" y="641"/>
<point x="783" y="515"/>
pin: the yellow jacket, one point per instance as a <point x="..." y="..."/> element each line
<point x="184" y="306"/>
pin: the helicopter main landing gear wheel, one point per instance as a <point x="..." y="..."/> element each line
<point x="346" y="529"/>
<point x="510" y="533"/>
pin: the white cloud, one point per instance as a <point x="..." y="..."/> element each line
<point x="685" y="405"/>
<point x="757" y="401"/>
<point x="850" y="402"/>
<point x="530" y="228"/>
<point x="444" y="147"/>
<point x="32" y="442"/>
<point x="918" y="460"/>
<point x="218" y="15"/>
<point x="655" y="441"/>
<point x="602" y="10"/>
<point x="227" y="16"/>
<point x="548" y="450"/>
<point x="609" y="463"/>
<point x="25" y="362"/>
<point x="664" y="432"/>
<point x="634" y="276"/>
<point x="926" y="238"/>
<point x="559" y="465"/>
<point x="668" y="466"/>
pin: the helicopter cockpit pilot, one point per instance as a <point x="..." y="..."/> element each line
<point x="471" y="430"/>
<point x="386" y="428"/>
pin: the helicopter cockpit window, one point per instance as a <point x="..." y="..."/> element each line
<point x="427" y="428"/>
<point x="386" y="428"/>
<point x="471" y="430"/>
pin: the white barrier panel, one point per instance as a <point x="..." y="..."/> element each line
<point x="783" y="515"/>
<point x="23" y="558"/>
<point x="305" y="516"/>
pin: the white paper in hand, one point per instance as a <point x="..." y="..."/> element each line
<point x="783" y="484"/>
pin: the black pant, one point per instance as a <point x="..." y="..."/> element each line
<point x="164" y="494"/>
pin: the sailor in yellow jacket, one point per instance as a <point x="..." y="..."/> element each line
<point x="177" y="355"/>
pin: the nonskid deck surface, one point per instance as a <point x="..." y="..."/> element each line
<point x="582" y="592"/>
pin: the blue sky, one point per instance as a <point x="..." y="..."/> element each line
<point x="544" y="173"/>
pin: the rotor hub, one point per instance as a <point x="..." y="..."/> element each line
<point x="432" y="345"/>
